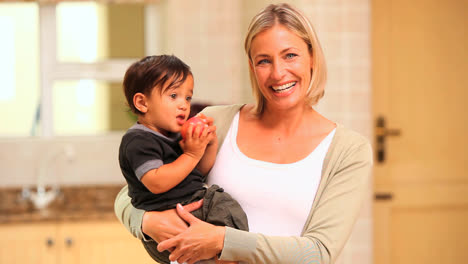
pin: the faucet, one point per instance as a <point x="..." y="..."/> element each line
<point x="42" y="197"/>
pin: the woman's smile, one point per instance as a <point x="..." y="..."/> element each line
<point x="283" y="88"/>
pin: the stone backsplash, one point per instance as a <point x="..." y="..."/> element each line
<point x="85" y="202"/>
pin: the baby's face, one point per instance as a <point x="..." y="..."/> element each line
<point x="168" y="111"/>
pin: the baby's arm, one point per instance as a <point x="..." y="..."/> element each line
<point x="167" y="176"/>
<point x="208" y="159"/>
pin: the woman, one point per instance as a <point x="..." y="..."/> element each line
<point x="300" y="177"/>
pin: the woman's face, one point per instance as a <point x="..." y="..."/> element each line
<point x="282" y="65"/>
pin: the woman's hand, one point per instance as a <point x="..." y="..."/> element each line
<point x="166" y="224"/>
<point x="200" y="241"/>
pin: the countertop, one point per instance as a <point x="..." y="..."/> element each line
<point x="74" y="203"/>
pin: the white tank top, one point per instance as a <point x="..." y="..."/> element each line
<point x="276" y="197"/>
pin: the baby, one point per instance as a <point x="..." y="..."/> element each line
<point x="161" y="169"/>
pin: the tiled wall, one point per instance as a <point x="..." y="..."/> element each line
<point x="209" y="37"/>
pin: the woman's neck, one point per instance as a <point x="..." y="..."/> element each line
<point x="288" y="121"/>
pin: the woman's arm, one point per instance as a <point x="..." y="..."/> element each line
<point x="156" y="225"/>
<point x="329" y="225"/>
<point x="200" y="241"/>
<point x="128" y="215"/>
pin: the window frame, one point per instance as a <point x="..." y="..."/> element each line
<point x="51" y="70"/>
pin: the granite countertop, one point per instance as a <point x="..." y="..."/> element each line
<point x="74" y="203"/>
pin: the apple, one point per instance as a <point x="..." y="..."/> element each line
<point x="196" y="120"/>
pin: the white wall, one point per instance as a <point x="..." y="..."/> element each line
<point x="94" y="160"/>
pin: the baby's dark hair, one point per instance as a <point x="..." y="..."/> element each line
<point x="151" y="71"/>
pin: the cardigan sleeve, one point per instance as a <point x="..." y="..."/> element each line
<point x="329" y="224"/>
<point x="128" y="215"/>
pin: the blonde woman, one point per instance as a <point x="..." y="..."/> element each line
<point x="300" y="177"/>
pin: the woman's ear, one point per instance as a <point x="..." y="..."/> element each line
<point x="139" y="101"/>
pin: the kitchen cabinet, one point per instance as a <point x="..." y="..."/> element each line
<point x="99" y="241"/>
<point x="28" y="243"/>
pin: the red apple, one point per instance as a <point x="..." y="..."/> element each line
<point x="195" y="121"/>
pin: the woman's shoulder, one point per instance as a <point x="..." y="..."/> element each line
<point x="222" y="110"/>
<point x="222" y="114"/>
<point x="346" y="138"/>
<point x="348" y="147"/>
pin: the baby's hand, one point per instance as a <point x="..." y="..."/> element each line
<point x="211" y="128"/>
<point x="196" y="140"/>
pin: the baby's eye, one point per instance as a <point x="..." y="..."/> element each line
<point x="290" y="55"/>
<point x="189" y="98"/>
<point x="173" y="96"/>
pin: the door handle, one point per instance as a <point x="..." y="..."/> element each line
<point x="381" y="133"/>
<point x="383" y="196"/>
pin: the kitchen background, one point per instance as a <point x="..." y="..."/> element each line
<point x="61" y="102"/>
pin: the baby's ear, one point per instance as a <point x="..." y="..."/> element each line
<point x="139" y="100"/>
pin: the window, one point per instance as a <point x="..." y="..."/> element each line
<point x="62" y="66"/>
<point x="19" y="74"/>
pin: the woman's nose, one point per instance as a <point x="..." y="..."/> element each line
<point x="278" y="70"/>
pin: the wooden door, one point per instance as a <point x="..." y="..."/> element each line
<point x="28" y="243"/>
<point x="420" y="72"/>
<point x="99" y="242"/>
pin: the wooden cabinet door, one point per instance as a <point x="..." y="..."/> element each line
<point x="28" y="243"/>
<point x="420" y="63"/>
<point x="99" y="242"/>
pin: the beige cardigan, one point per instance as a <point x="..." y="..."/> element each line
<point x="342" y="189"/>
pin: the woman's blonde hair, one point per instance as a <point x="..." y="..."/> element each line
<point x="294" y="20"/>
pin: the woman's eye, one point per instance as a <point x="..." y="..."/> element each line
<point x="290" y="55"/>
<point x="264" y="61"/>
<point x="173" y="96"/>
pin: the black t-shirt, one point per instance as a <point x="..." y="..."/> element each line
<point x="142" y="150"/>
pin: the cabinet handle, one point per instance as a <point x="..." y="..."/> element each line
<point x="69" y="241"/>
<point x="49" y="242"/>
